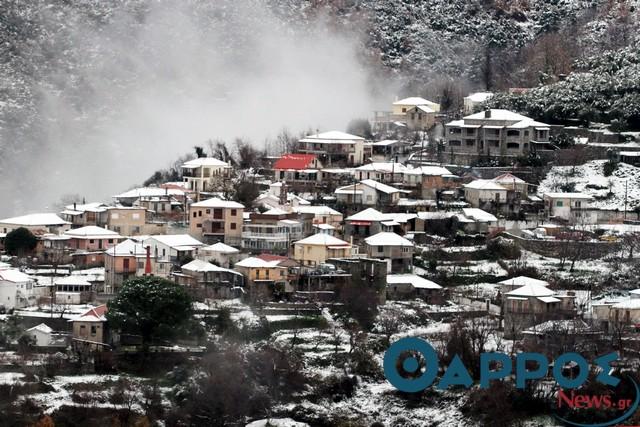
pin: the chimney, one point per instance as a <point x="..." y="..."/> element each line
<point x="147" y="264"/>
<point x="74" y="206"/>
<point x="487" y="114"/>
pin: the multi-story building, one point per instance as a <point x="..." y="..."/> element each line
<point x="123" y="261"/>
<point x="272" y="231"/>
<point x="569" y="207"/>
<point x="198" y="173"/>
<point x="495" y="133"/>
<point x="216" y="220"/>
<point x="316" y="249"/>
<point x="389" y="246"/>
<point x="334" y="148"/>
<point x="170" y="250"/>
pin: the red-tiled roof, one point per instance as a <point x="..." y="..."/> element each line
<point x="294" y="161"/>
<point x="271" y="257"/>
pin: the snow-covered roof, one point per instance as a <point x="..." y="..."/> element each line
<point x="387" y="238"/>
<point x="316" y="210"/>
<point x="414" y="100"/>
<point x="255" y="262"/>
<point x="424" y="109"/>
<point x="412" y="279"/>
<point x="333" y="136"/>
<point x="86" y="207"/>
<point x="95" y="314"/>
<point x="205" y="161"/>
<point x="35" y="219"/>
<point x="479" y="215"/>
<point x="479" y="96"/>
<point x="631" y="304"/>
<point x="523" y="281"/>
<point x="176" y="240"/>
<point x="549" y="300"/>
<point x="14" y="276"/>
<point x="429" y="170"/>
<point x="571" y="326"/>
<point x="216" y="202"/>
<point x="92" y="232"/>
<point x="499" y="115"/>
<point x="484" y="184"/>
<point x="149" y="192"/>
<point x="324" y="226"/>
<point x="275" y="211"/>
<point x="385" y="142"/>
<point x="531" y="290"/>
<point x="508" y="178"/>
<point x="203" y="266"/>
<point x="369" y="214"/>
<point x="322" y="239"/>
<point x="581" y="196"/>
<point x="127" y="248"/>
<point x="42" y="328"/>
<point x="378" y="186"/>
<point x="73" y="280"/>
<point x="221" y="248"/>
<point x="384" y="167"/>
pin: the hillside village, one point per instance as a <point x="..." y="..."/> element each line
<point x="481" y="223"/>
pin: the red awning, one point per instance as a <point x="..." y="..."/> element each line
<point x="360" y="222"/>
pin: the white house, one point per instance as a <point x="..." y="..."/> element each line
<point x="16" y="290"/>
<point x="197" y="173"/>
<point x="170" y="249"/>
<point x="219" y="253"/>
<point x="370" y="193"/>
<point x="401" y="286"/>
<point x="514" y="283"/>
<point x="44" y="336"/>
<point x="569" y="206"/>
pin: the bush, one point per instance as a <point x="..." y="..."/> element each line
<point x="608" y="168"/>
<point x="20" y="242"/>
<point x="500" y="248"/>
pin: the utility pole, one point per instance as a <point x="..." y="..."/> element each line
<point x="626" y="182"/>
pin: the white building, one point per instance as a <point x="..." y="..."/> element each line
<point x="16" y="290"/>
<point x="334" y="147"/>
<point x="197" y="173"/>
<point x="370" y="193"/>
<point x="219" y="253"/>
<point x="570" y="207"/>
<point x="170" y="249"/>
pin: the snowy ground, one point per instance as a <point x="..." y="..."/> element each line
<point x="608" y="191"/>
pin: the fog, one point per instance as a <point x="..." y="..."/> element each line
<point x="128" y="96"/>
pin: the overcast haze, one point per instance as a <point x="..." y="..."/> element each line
<point x="128" y="96"/>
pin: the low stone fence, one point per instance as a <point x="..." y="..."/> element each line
<point x="570" y="248"/>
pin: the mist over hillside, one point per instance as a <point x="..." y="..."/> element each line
<point x="98" y="94"/>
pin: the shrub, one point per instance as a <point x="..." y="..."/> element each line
<point x="608" y="168"/>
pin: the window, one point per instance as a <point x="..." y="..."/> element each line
<point x="233" y="225"/>
<point x="559" y="203"/>
<point x="234" y="212"/>
<point x="93" y="329"/>
<point x="199" y="213"/>
<point x="164" y="252"/>
<point x="380" y="248"/>
<point x="208" y="211"/>
<point x="455" y="143"/>
<point x="90" y="240"/>
<point x="494" y="143"/>
<point x="513" y="133"/>
<point x="195" y="214"/>
<point x="198" y="225"/>
<point x="217" y="213"/>
<point x="470" y="142"/>
<point x="82" y="326"/>
<point x="404" y="110"/>
<point x="513" y="146"/>
<point x="578" y="204"/>
<point x="110" y="240"/>
<point x="369" y="197"/>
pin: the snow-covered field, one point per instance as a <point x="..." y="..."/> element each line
<point x="608" y="191"/>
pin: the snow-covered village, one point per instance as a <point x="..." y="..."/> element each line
<point x="323" y="213"/>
